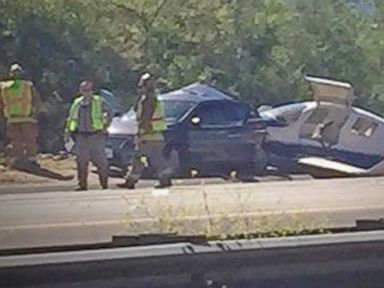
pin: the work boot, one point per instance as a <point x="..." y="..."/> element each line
<point x="128" y="184"/>
<point x="82" y="185"/>
<point x="164" y="183"/>
<point x="104" y="186"/>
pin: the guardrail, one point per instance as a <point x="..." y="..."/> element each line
<point x="340" y="260"/>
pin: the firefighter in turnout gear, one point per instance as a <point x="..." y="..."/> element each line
<point x="20" y="106"/>
<point x="149" y="142"/>
<point x="87" y="122"/>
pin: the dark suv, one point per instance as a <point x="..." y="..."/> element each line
<point x="207" y="130"/>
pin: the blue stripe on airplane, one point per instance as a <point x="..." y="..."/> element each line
<point x="297" y="151"/>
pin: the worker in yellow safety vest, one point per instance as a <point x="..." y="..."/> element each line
<point x="20" y="105"/>
<point x="87" y="122"/>
<point x="149" y="142"/>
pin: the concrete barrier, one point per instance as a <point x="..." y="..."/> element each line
<point x="340" y="260"/>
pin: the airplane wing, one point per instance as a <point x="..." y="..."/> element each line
<point x="377" y="170"/>
<point x="321" y="167"/>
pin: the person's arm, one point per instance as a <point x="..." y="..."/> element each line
<point x="144" y="115"/>
<point x="139" y="108"/>
<point x="67" y="133"/>
<point x="108" y="115"/>
<point x="37" y="104"/>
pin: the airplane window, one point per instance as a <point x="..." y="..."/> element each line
<point x="364" y="127"/>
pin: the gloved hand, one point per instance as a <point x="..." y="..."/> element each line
<point x="69" y="142"/>
<point x="66" y="137"/>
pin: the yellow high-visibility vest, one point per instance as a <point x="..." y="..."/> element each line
<point x="157" y="122"/>
<point x="98" y="120"/>
<point x="158" y="117"/>
<point x="17" y="100"/>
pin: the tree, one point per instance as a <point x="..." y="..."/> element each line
<point x="258" y="50"/>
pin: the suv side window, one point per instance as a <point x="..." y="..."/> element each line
<point x="222" y="114"/>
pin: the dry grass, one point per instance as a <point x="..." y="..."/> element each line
<point x="204" y="217"/>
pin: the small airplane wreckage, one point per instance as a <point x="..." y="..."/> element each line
<point x="327" y="137"/>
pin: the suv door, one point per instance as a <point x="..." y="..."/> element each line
<point x="216" y="133"/>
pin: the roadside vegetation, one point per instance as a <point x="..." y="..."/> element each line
<point x="257" y="50"/>
<point x="208" y="217"/>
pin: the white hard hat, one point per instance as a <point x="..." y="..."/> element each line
<point x="15" y="67"/>
<point x="144" y="78"/>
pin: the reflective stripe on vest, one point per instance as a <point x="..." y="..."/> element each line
<point x="158" y="118"/>
<point x="97" y="117"/>
<point x="17" y="99"/>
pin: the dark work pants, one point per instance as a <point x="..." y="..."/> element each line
<point x="91" y="147"/>
<point x="153" y="151"/>
<point x="23" y="137"/>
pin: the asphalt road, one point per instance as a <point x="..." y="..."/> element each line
<point x="68" y="218"/>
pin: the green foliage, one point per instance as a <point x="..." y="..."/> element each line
<point x="259" y="50"/>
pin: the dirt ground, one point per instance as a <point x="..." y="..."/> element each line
<point x="52" y="172"/>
